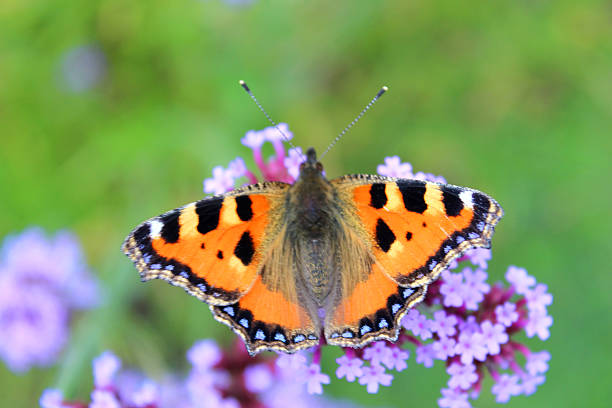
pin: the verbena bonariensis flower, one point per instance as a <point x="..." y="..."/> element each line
<point x="42" y="281"/>
<point x="226" y="378"/>
<point x="463" y="321"/>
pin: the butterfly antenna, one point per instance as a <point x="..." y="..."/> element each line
<point x="350" y="125"/>
<point x="285" y="137"/>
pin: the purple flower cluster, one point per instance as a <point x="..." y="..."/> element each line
<point x="463" y="321"/>
<point x="218" y="378"/>
<point x="42" y="281"/>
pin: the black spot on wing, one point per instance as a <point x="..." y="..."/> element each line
<point x="171" y="228"/>
<point x="208" y="211"/>
<point x="413" y="194"/>
<point x="220" y="254"/>
<point x="378" y="197"/>
<point x="244" y="249"/>
<point x="408" y="236"/>
<point x="481" y="201"/>
<point x="451" y="200"/>
<point x="142" y="233"/>
<point x="243" y="207"/>
<point x="384" y="236"/>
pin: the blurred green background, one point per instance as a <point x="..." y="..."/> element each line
<point x="114" y="111"/>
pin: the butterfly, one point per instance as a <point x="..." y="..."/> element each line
<point x="288" y="265"/>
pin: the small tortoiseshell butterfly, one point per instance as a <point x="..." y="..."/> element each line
<point x="283" y="264"/>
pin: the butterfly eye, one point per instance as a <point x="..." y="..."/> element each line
<point x="319" y="167"/>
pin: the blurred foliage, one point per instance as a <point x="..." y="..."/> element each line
<point x="512" y="97"/>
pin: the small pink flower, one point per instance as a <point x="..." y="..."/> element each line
<point x="105" y="366"/>
<point x="373" y="376"/>
<point x="349" y="368"/>
<point x="315" y="379"/>
<point x="506" y="386"/>
<point x="394" y="167"/>
<point x="462" y="376"/>
<point x="506" y="314"/>
<point x="519" y="278"/>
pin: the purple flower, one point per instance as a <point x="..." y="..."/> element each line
<point x="145" y="396"/>
<point x="104" y="399"/>
<point x="537" y="363"/>
<point x="444" y="324"/>
<point x="253" y="139"/>
<point x="41" y="281"/>
<point x="452" y="289"/>
<point x="479" y="257"/>
<point x="462" y="376"/>
<point x="279" y="133"/>
<point x="258" y="378"/>
<point x="314" y="379"/>
<point x="105" y="366"/>
<point x="51" y="398"/>
<point x="377" y="353"/>
<point x="291" y="363"/>
<point x="529" y="383"/>
<point x="425" y="355"/>
<point x="453" y="398"/>
<point x="506" y="387"/>
<point x="394" y="167"/>
<point x="538" y="323"/>
<point x="397" y="359"/>
<point x="417" y="323"/>
<point x="444" y="348"/>
<point x="492" y="336"/>
<point x="519" y="278"/>
<point x="538" y="298"/>
<point x="293" y="162"/>
<point x="237" y="168"/>
<point x="506" y="314"/>
<point x="373" y="376"/>
<point x="470" y="346"/>
<point x="474" y="288"/>
<point x="204" y="354"/>
<point x="221" y="181"/>
<point x="349" y="368"/>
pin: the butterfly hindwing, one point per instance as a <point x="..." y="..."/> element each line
<point x="416" y="227"/>
<point x="372" y="311"/>
<point x="211" y="248"/>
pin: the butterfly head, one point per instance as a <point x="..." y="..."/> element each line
<point x="311" y="167"/>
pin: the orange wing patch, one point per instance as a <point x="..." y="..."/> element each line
<point x="372" y="311"/>
<point x="418" y="228"/>
<point x="211" y="248"/>
<point x="266" y="320"/>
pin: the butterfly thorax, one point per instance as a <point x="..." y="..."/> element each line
<point x="312" y="225"/>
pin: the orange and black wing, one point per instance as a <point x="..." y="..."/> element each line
<point x="416" y="228"/>
<point x="216" y="249"/>
<point x="413" y="229"/>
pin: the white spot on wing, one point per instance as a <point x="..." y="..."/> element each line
<point x="407" y="292"/>
<point x="466" y="197"/>
<point x="347" y="334"/>
<point x="259" y="335"/>
<point x="244" y="323"/>
<point x="383" y="323"/>
<point x="365" y="329"/>
<point x="229" y="310"/>
<point x="280" y="337"/>
<point x="156" y="227"/>
<point x="299" y="338"/>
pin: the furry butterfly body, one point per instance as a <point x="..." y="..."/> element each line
<point x="283" y="265"/>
